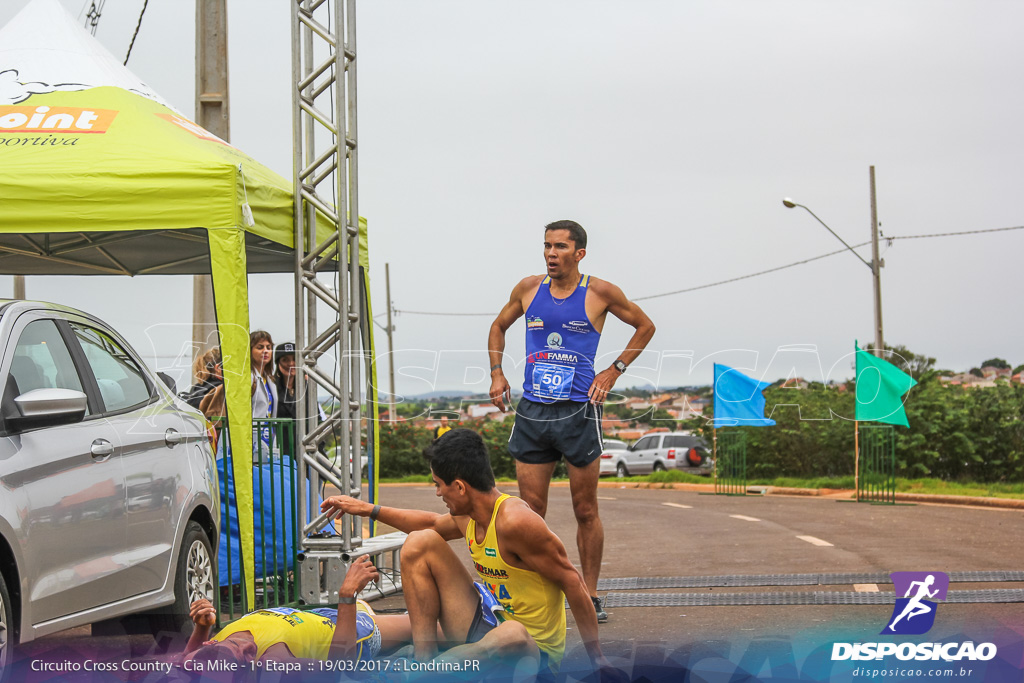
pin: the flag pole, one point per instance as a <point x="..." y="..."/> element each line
<point x="856" y="460"/>
<point x="714" y="451"/>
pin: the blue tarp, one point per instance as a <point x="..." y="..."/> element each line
<point x="274" y="520"/>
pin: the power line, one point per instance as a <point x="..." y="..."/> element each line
<point x="744" y="277"/>
<point x="92" y="18"/>
<point x="750" y="275"/>
<point x="444" y="314"/>
<point x="951" y="234"/>
<point x="145" y="3"/>
<point x="678" y="291"/>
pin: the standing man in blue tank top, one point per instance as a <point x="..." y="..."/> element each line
<point x="560" y="414"/>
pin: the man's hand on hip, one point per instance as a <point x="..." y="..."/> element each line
<point x="601" y="385"/>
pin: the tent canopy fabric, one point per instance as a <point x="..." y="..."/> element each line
<point x="99" y="175"/>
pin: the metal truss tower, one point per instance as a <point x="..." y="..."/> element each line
<point x="333" y="351"/>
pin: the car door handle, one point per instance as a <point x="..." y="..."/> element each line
<point x="172" y="437"/>
<point x="101" y="448"/>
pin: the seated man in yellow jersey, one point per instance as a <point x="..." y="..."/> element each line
<point x="520" y="560"/>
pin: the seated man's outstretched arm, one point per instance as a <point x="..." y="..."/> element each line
<point x="399" y="518"/>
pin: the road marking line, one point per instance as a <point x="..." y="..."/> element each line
<point x="745" y="518"/>
<point x="606" y="498"/>
<point x="814" y="541"/>
<point x="866" y="587"/>
<point x="677" y="505"/>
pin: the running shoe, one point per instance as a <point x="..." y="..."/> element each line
<point x="602" y="616"/>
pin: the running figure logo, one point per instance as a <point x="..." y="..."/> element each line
<point x="914" y="613"/>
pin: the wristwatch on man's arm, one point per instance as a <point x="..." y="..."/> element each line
<point x="620" y="366"/>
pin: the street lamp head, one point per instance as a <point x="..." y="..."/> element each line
<point x="788" y="203"/>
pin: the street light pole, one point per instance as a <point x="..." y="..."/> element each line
<point x="391" y="347"/>
<point x="875" y="265"/>
<point x="876" y="268"/>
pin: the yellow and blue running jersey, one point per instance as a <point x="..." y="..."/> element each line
<point x="307" y="634"/>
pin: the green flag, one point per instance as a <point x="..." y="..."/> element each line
<point x="880" y="389"/>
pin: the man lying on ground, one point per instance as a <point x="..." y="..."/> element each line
<point x="352" y="632"/>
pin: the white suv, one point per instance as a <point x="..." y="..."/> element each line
<point x="664" y="451"/>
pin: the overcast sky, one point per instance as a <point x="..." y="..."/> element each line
<point x="671" y="130"/>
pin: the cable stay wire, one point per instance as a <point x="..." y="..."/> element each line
<point x="145" y="4"/>
<point x="888" y="238"/>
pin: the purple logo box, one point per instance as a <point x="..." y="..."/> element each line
<point x="902" y="580"/>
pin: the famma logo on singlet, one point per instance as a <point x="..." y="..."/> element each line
<point x="552" y="355"/>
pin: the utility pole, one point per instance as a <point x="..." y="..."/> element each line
<point x="19" y="287"/>
<point x="876" y="269"/>
<point x="212" y="113"/>
<point x="391" y="346"/>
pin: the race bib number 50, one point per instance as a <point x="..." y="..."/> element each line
<point x="552" y="381"/>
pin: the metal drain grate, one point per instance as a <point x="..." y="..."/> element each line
<point x="642" y="582"/>
<point x="795" y="598"/>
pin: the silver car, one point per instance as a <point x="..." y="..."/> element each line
<point x="664" y="451"/>
<point x="612" y="457"/>
<point x="110" y="500"/>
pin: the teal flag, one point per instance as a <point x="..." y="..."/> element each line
<point x="880" y="389"/>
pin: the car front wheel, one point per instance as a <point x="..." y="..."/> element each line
<point x="621" y="471"/>
<point x="194" y="578"/>
<point x="6" y="629"/>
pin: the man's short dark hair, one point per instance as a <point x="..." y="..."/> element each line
<point x="461" y="454"/>
<point x="576" y="232"/>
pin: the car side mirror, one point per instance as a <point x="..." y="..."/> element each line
<point x="47" y="408"/>
<point x="169" y="381"/>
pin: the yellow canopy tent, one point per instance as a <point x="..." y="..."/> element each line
<point x="99" y="176"/>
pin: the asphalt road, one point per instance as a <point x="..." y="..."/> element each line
<point x="671" y="533"/>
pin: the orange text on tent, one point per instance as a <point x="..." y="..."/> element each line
<point x="55" y="119"/>
<point x="191" y="127"/>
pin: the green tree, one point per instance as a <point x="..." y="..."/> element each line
<point x="914" y="364"/>
<point x="401" y="449"/>
<point x="996" y="363"/>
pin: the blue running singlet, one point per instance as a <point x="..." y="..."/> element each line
<point x="561" y="345"/>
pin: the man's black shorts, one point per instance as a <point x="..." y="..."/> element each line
<point x="544" y="432"/>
